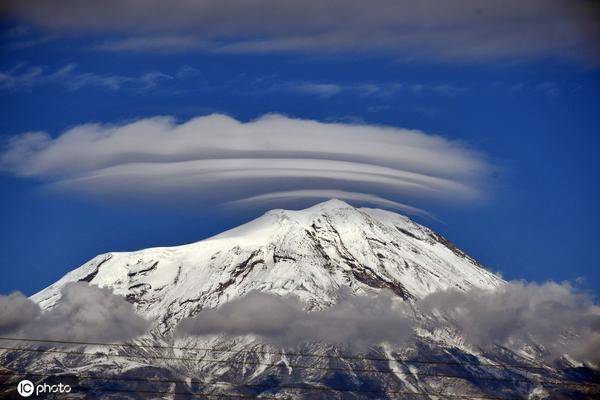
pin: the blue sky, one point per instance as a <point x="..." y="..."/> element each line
<point x="533" y="117"/>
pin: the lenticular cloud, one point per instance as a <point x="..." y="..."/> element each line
<point x="216" y="159"/>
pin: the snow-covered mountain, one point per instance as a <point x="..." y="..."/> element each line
<point x="310" y="253"/>
<point x="314" y="254"/>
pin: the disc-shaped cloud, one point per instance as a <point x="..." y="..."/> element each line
<point x="217" y="159"/>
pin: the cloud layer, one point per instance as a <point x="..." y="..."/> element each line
<point x="359" y="321"/>
<point x="553" y="318"/>
<point x="84" y="313"/>
<point x="330" y="194"/>
<point x="16" y="311"/>
<point x="461" y="30"/>
<point x="216" y="159"/>
<point x="551" y="315"/>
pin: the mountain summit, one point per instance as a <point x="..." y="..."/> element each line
<point x="315" y="254"/>
<point x="311" y="253"/>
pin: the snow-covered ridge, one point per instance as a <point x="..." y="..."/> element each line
<point x="315" y="254"/>
<point x="311" y="253"/>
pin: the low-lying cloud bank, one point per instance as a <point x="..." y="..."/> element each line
<point x="554" y="316"/>
<point x="16" y="311"/>
<point x="359" y="321"/>
<point x="463" y="30"/>
<point x="553" y="319"/>
<point x="84" y="313"/>
<point x="216" y="159"/>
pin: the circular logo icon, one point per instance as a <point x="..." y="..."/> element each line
<point x="25" y="388"/>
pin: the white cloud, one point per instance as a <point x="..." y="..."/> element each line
<point x="268" y="198"/>
<point x="25" y="77"/>
<point x="324" y="90"/>
<point x="367" y="89"/>
<point x="216" y="159"/>
<point x="167" y="44"/>
<point x="357" y="321"/>
<point x="219" y="159"/>
<point x="16" y="311"/>
<point x="553" y="318"/>
<point x="20" y="77"/>
<point x="84" y="313"/>
<point x="464" y="30"/>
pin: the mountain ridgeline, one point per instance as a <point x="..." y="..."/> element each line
<point x="317" y="255"/>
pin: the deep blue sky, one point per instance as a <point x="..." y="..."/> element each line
<point x="537" y="119"/>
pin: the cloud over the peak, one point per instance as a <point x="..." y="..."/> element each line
<point x="330" y="194"/>
<point x="216" y="159"/>
<point x="468" y="30"/>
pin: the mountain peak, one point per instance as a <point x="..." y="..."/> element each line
<point x="312" y="253"/>
<point x="332" y="204"/>
<point x="328" y="206"/>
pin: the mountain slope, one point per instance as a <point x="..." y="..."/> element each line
<point x="310" y="253"/>
<point x="313" y="253"/>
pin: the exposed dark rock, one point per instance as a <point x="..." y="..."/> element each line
<point x="143" y="271"/>
<point x="88" y="278"/>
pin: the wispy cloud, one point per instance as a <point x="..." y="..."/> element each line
<point x="367" y="89"/>
<point x="273" y="197"/>
<point x="25" y="77"/>
<point x="463" y="30"/>
<point x="21" y="77"/>
<point x="324" y="90"/>
<point x="216" y="159"/>
<point x="23" y="37"/>
<point x="161" y="44"/>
